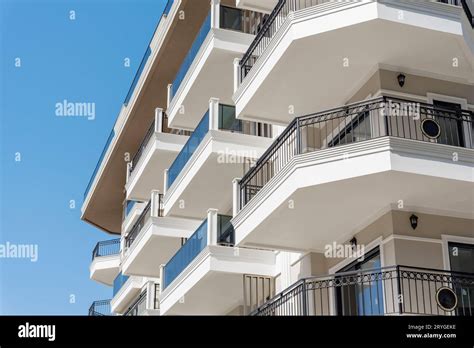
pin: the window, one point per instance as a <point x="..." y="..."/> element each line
<point x="461" y="259"/>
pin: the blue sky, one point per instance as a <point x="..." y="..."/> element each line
<point x="79" y="60"/>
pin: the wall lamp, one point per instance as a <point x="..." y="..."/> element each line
<point x="401" y="80"/>
<point x="414" y="221"/>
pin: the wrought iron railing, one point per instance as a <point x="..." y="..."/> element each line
<point x="142" y="147"/>
<point x="355" y="123"/>
<point x="141" y="222"/>
<point x="278" y="17"/>
<point x="395" y="290"/>
<point x="138" y="307"/>
<point x="106" y="248"/>
<point x="100" y="308"/>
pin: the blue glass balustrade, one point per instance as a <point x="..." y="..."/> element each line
<point x="188" y="60"/>
<point x="118" y="282"/>
<point x="191" y="145"/>
<point x="188" y="252"/>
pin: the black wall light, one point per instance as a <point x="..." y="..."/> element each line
<point x="414" y="221"/>
<point x="353" y="242"/>
<point x="401" y="80"/>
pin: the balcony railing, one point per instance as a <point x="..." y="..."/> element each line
<point x="106" y="248"/>
<point x="138" y="307"/>
<point x="188" y="149"/>
<point x="195" y="244"/>
<point x="142" y="220"/>
<point x="278" y="17"/>
<point x="99" y="162"/>
<point x="396" y="290"/>
<point x="100" y="308"/>
<point x="188" y="252"/>
<point x="226" y="122"/>
<point x="119" y="281"/>
<point x="188" y="60"/>
<point x="355" y="123"/>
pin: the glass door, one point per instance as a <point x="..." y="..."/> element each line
<point x="359" y="293"/>
<point x="451" y="132"/>
<point x="461" y="259"/>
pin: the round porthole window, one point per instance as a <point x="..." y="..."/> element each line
<point x="446" y="299"/>
<point x="430" y="128"/>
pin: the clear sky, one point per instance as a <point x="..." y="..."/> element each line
<point x="79" y="60"/>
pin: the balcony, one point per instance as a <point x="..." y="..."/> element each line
<point x="105" y="261"/>
<point x="286" y="58"/>
<point x="206" y="275"/>
<point x="154" y="239"/>
<point x="220" y="144"/>
<point x="396" y="290"/>
<point x="147" y="303"/>
<point x="156" y="152"/>
<point x="126" y="290"/>
<point x="100" y="308"/>
<point x="207" y="69"/>
<point x="105" y="195"/>
<point x="400" y="149"/>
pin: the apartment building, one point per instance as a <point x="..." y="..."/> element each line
<point x="293" y="157"/>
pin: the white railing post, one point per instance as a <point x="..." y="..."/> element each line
<point x="235" y="196"/>
<point x="169" y="95"/>
<point x="155" y="203"/>
<point x="165" y="184"/>
<point x="214" y="114"/>
<point x="158" y="120"/>
<point x="129" y="169"/>
<point x="150" y="295"/>
<point x="212" y="227"/>
<point x="162" y="275"/>
<point x="215" y="13"/>
<point x="236" y="74"/>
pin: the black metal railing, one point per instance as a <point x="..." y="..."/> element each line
<point x="394" y="290"/>
<point x="278" y="17"/>
<point x="142" y="147"/>
<point x="142" y="220"/>
<point x="138" y="307"/>
<point x="100" y="308"/>
<point x="359" y="122"/>
<point x="106" y="248"/>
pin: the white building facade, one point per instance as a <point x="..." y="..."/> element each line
<point x="293" y="157"/>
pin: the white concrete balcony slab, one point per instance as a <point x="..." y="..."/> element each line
<point x="105" y="262"/>
<point x="323" y="196"/>
<point x="154" y="239"/>
<point x="316" y="54"/>
<point x="219" y="150"/>
<point x="157" y="152"/>
<point x="207" y="71"/>
<point x="265" y="6"/>
<point x="126" y="290"/>
<point x="205" y="277"/>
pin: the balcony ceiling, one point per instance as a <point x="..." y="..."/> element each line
<point x="104" y="210"/>
<point x="323" y="60"/>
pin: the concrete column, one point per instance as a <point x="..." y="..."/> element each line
<point x="214" y="114"/>
<point x="165" y="184"/>
<point x="155" y="203"/>
<point x="212" y="227"/>
<point x="162" y="277"/>
<point x="236" y="74"/>
<point x="215" y="13"/>
<point x="170" y="95"/>
<point x="158" y="120"/>
<point x="235" y="196"/>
